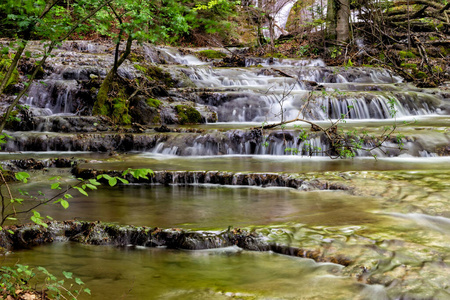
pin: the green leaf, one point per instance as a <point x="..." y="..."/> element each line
<point x="55" y="186"/>
<point x="64" y="203"/>
<point x="94" y="182"/>
<point x="112" y="181"/>
<point x="22" y="176"/>
<point x="91" y="186"/>
<point x="124" y="181"/>
<point x="68" y="275"/>
<point x="81" y="190"/>
<point x="79" y="281"/>
<point x="87" y="291"/>
<point x="5" y="50"/>
<point x="10" y="231"/>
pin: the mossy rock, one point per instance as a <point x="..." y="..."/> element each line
<point x="133" y="57"/>
<point x="275" y="55"/>
<point x="154" y="73"/>
<point x="188" y="114"/>
<point x="153" y="102"/>
<point x="119" y="112"/>
<point x="421" y="75"/>
<point x="212" y="54"/>
<point x="4" y="66"/>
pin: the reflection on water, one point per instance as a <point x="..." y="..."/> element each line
<point x="113" y="273"/>
<point x="213" y="207"/>
<point x="394" y="226"/>
<point x="269" y="163"/>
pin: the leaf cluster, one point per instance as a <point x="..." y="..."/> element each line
<point x="21" y="279"/>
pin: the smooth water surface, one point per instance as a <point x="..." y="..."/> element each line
<point x="149" y="273"/>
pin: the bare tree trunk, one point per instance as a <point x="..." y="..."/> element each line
<point x="338" y="14"/>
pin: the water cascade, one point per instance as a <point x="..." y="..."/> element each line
<point x="268" y="208"/>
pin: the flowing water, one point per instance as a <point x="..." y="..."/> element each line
<point x="393" y="223"/>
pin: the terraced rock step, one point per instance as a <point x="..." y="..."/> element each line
<point x="215" y="142"/>
<point x="220" y="178"/>
<point x="96" y="233"/>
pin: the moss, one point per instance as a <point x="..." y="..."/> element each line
<point x="409" y="66"/>
<point x="421" y="75"/>
<point x="188" y="114"/>
<point x="117" y="107"/>
<point x="153" y="102"/>
<point x="211" y="54"/>
<point x="133" y="57"/>
<point x="154" y="73"/>
<point x="444" y="51"/>
<point x="120" y="111"/>
<point x="141" y="68"/>
<point x="275" y="55"/>
<point x="437" y="69"/>
<point x="4" y="65"/>
<point x="406" y="54"/>
<point x="156" y="120"/>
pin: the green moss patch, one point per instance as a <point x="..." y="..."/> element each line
<point x="275" y="55"/>
<point x="406" y="54"/>
<point x="4" y="66"/>
<point x="119" y="112"/>
<point x="211" y="54"/>
<point x="154" y="73"/>
<point x="188" y="114"/>
<point x="153" y="102"/>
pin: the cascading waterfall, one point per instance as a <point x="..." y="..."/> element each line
<point x="267" y="90"/>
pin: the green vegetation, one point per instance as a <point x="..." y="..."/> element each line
<point x="120" y="111"/>
<point x="20" y="281"/>
<point x="406" y="54"/>
<point x="153" y="102"/>
<point x="212" y="54"/>
<point x="188" y="114"/>
<point x="14" y="281"/>
<point x="5" y="63"/>
<point x="275" y="55"/>
<point x="154" y="73"/>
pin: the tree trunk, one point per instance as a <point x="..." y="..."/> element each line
<point x="338" y="14"/>
<point x="100" y="106"/>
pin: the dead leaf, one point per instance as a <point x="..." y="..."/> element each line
<point x="28" y="296"/>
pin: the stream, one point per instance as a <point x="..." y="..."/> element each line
<point x="392" y="221"/>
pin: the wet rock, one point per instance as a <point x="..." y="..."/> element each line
<point x="29" y="164"/>
<point x="162" y="128"/>
<point x="232" y="61"/>
<point x="143" y="113"/>
<point x="220" y="178"/>
<point x="96" y="233"/>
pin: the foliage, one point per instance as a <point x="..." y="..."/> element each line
<point x="142" y="20"/>
<point x="211" y="17"/>
<point x="21" y="279"/>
